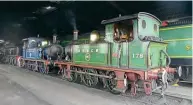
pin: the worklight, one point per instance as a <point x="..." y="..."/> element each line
<point x="94" y="36"/>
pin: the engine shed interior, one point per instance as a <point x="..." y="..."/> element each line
<point x="119" y="46"/>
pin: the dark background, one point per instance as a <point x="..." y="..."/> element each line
<point x="21" y="19"/>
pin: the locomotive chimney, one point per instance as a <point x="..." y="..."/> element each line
<point x="54" y="38"/>
<point x="75" y="34"/>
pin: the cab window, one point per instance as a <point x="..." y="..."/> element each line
<point x="33" y="44"/>
<point x="123" y="32"/>
<point x="25" y="44"/>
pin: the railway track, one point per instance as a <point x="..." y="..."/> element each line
<point x="157" y="99"/>
<point x="140" y="98"/>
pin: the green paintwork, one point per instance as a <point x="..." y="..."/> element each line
<point x="98" y="54"/>
<point x="124" y="55"/>
<point x="109" y="31"/>
<point x="153" y="51"/>
<point x="137" y="47"/>
<point x="178" y="38"/>
<point x="149" y="30"/>
<point x="130" y="51"/>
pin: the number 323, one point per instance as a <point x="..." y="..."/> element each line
<point x="138" y="55"/>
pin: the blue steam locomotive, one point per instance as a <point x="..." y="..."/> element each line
<point x="40" y="48"/>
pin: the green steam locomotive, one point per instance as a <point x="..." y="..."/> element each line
<point x="131" y="53"/>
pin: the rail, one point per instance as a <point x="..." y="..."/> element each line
<point x="169" y="59"/>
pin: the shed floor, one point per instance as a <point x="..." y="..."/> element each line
<point x="22" y="87"/>
<point x="184" y="91"/>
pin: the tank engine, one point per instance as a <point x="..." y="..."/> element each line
<point x="39" y="48"/>
<point x="131" y="53"/>
<point x="37" y="52"/>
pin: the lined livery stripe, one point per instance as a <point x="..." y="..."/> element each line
<point x="177" y="40"/>
<point x="180" y="56"/>
<point x="187" y="26"/>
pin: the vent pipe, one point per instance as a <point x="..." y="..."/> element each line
<point x="54" y="38"/>
<point x="75" y="34"/>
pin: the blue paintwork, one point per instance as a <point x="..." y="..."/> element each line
<point x="44" y="52"/>
<point x="23" y="54"/>
<point x="32" y="52"/>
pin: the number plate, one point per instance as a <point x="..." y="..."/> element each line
<point x="138" y="55"/>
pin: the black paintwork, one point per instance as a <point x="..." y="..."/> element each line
<point x="181" y="61"/>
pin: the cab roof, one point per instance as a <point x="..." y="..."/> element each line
<point x="128" y="17"/>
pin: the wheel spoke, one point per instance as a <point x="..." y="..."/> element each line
<point x="112" y="83"/>
<point x="90" y="80"/>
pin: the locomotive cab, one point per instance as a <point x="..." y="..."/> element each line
<point x="148" y="34"/>
<point x="136" y="38"/>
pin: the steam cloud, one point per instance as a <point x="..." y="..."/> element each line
<point x="71" y="18"/>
